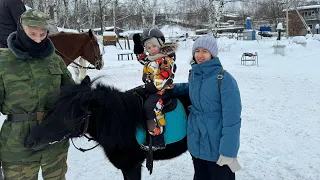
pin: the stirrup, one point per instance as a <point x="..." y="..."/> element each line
<point x="144" y="147"/>
<point x="154" y="148"/>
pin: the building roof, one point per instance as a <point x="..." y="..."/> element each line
<point x="107" y="28"/>
<point x="304" y="7"/>
<point x="231" y="15"/>
<point x="109" y="33"/>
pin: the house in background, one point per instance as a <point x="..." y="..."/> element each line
<point x="310" y="14"/>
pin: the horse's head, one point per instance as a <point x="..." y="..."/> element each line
<point x="69" y="118"/>
<point x="91" y="51"/>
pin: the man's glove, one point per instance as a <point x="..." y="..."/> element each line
<point x="138" y="48"/>
<point x="231" y="162"/>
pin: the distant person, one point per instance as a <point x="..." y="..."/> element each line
<point x="10" y="12"/>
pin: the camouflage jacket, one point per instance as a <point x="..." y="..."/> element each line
<point x="30" y="84"/>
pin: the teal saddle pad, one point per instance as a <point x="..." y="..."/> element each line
<point x="176" y="126"/>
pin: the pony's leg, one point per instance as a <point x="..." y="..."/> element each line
<point x="133" y="173"/>
<point x="83" y="71"/>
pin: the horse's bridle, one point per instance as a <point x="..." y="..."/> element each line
<point x="97" y="61"/>
<point x="77" y="129"/>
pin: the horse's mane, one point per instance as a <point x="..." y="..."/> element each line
<point x="114" y="114"/>
<point x="62" y="33"/>
<point x="68" y="34"/>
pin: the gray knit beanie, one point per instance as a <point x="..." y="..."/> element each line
<point x="208" y="42"/>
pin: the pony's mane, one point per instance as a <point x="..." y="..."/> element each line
<point x="121" y="115"/>
<point x="70" y="96"/>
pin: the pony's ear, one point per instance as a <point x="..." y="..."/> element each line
<point x="86" y="81"/>
<point x="90" y="33"/>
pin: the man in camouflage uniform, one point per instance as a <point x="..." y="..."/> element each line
<point x="31" y="74"/>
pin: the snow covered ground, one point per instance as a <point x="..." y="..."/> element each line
<point x="280" y="118"/>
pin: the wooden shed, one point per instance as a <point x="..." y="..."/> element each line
<point x="109" y="38"/>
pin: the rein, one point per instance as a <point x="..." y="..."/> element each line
<point x="84" y="120"/>
<point x="84" y="150"/>
<point x="71" y="61"/>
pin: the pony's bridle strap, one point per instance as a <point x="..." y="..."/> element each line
<point x="85" y="120"/>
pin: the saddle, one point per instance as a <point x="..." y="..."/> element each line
<point x="168" y="104"/>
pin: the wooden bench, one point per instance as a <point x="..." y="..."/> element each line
<point x="252" y="57"/>
<point x="128" y="54"/>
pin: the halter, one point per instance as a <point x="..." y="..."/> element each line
<point x="97" y="61"/>
<point x="77" y="129"/>
<point x="85" y="120"/>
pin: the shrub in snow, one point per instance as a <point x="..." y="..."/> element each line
<point x="224" y="44"/>
<point x="316" y="37"/>
<point x="299" y="39"/>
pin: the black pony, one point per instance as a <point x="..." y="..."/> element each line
<point x="110" y="117"/>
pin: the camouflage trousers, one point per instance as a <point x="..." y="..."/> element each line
<point x="19" y="163"/>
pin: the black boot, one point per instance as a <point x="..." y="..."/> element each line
<point x="158" y="142"/>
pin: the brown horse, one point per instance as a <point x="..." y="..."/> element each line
<point x="72" y="45"/>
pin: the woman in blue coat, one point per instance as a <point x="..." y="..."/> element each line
<point x="214" y="121"/>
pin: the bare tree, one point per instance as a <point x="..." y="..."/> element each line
<point x="66" y="11"/>
<point x="143" y="12"/>
<point x="114" y="14"/>
<point x="211" y="14"/>
<point x="154" y="12"/>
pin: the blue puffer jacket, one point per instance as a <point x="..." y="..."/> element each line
<point x="214" y="121"/>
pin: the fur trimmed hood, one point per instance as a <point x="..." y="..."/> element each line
<point x="168" y="48"/>
<point x="165" y="50"/>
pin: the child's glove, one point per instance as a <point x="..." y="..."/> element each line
<point x="231" y="162"/>
<point x="151" y="88"/>
<point x="138" y="48"/>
